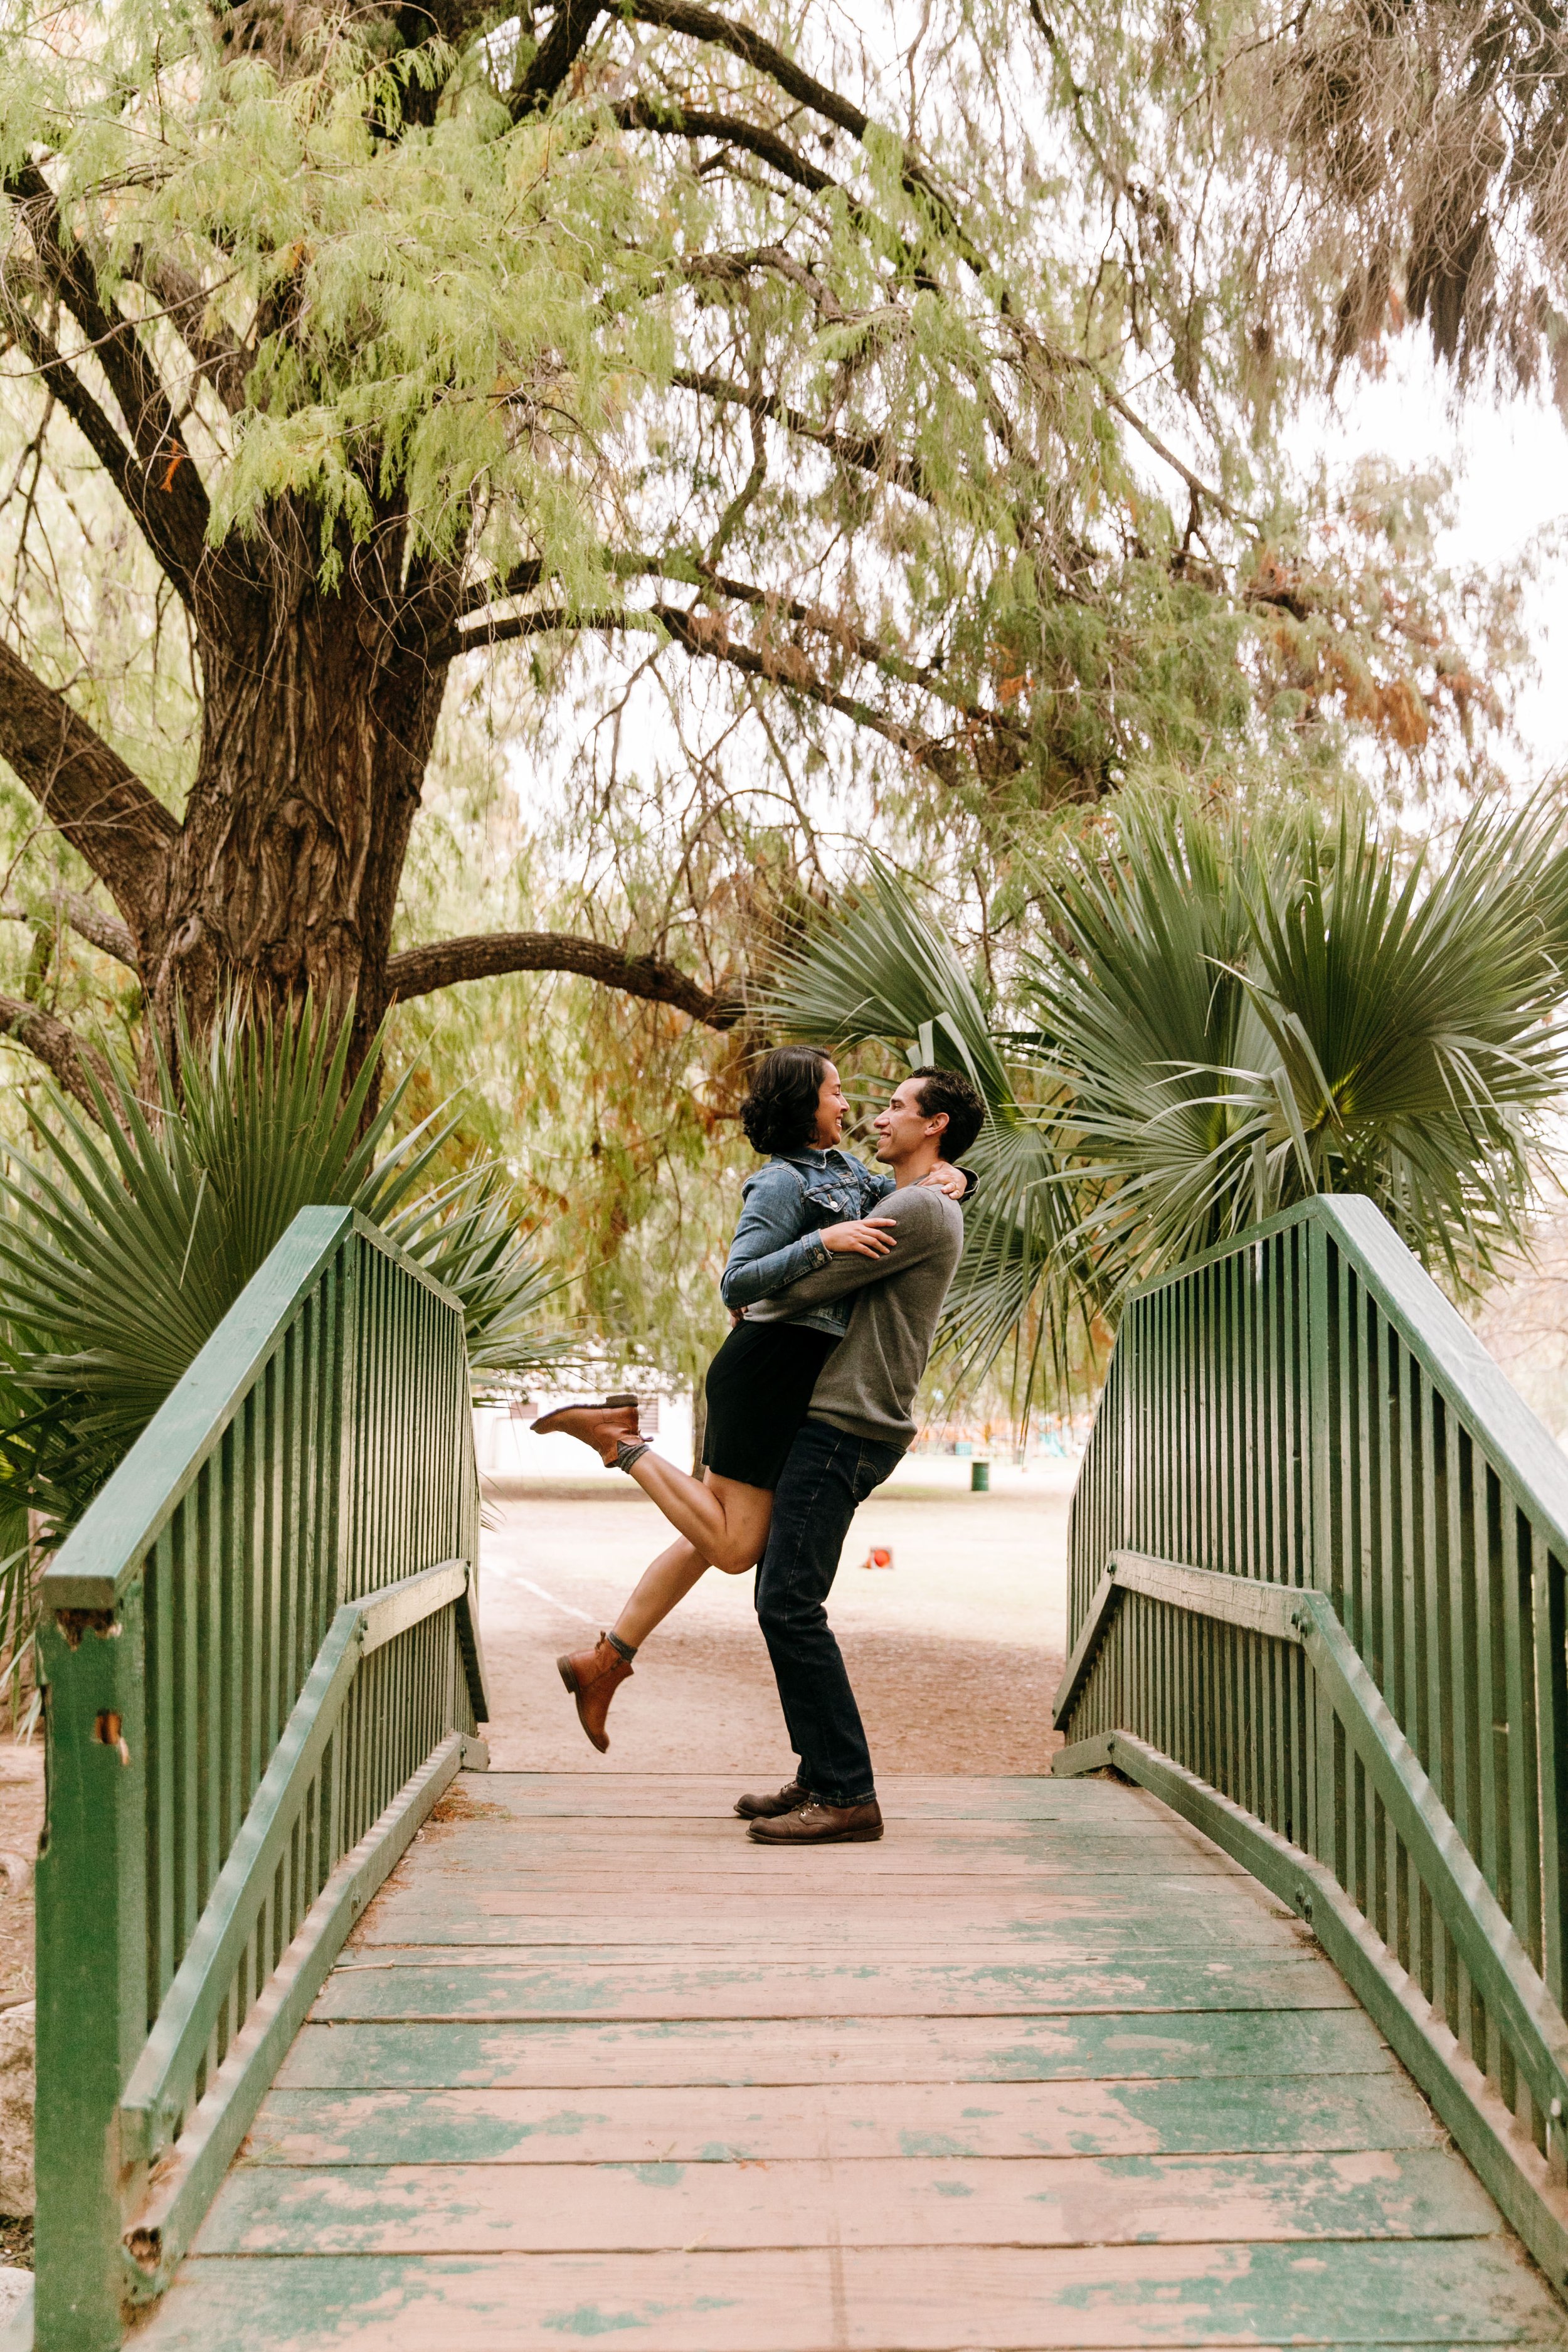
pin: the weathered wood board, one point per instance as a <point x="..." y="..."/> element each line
<point x="590" y="1908"/>
<point x="1117" y="2047"/>
<point x="709" y="2122"/>
<point x="428" y="1982"/>
<point x="826" y="2299"/>
<point x="725" y="2203"/>
<point x="1040" y="2070"/>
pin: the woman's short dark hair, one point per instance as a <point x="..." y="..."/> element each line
<point x="950" y="1091"/>
<point x="780" y="1112"/>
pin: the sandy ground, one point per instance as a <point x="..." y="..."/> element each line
<point x="21" y="1819"/>
<point x="955" y="1652"/>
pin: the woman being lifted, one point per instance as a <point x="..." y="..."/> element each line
<point x="808" y="1200"/>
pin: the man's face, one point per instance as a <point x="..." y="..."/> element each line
<point x="903" y="1127"/>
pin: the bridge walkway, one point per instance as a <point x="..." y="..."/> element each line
<point x="1045" y="2068"/>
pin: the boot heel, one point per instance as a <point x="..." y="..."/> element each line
<point x="564" y="1667"/>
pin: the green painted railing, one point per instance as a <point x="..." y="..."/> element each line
<point x="262" y="1668"/>
<point x="1319" y="1605"/>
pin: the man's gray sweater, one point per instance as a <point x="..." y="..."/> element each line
<point x="868" y="1382"/>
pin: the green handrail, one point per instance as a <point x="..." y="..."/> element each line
<point x="261" y="1667"/>
<point x="1318" y="1603"/>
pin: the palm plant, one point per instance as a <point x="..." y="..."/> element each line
<point x="127" y="1245"/>
<point x="879" y="971"/>
<point x="1215" y="1019"/>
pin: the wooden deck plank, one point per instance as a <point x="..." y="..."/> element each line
<point x="920" y="1852"/>
<point x="687" y="2124"/>
<point x="410" y="1986"/>
<point x="1034" y="2073"/>
<point x="913" y="1928"/>
<point x="1222" y="2044"/>
<point x="606" y="1795"/>
<point x="588" y="1906"/>
<point x="996" y="2299"/>
<point x="912" y="2200"/>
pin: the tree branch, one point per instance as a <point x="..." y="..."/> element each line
<point x="91" y="419"/>
<point x="415" y="971"/>
<point x="676" y="121"/>
<point x="86" y="790"/>
<point x="164" y="492"/>
<point x="106" y="932"/>
<point x="702" y="24"/>
<point x="61" y="1050"/>
<point x="520" y="581"/>
<point x="219" y="357"/>
<point x="669" y="119"/>
<point x="556" y="55"/>
<point x="840" y="632"/>
<point x="871" y="451"/>
<point x="707" y="635"/>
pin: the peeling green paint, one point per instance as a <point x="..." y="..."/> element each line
<point x="589" y="2320"/>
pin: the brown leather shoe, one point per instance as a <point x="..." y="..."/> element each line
<point x="815" y="1824"/>
<point x="602" y="1426"/>
<point x="593" y="1678"/>
<point x="789" y="1799"/>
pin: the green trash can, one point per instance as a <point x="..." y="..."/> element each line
<point x="980" y="1477"/>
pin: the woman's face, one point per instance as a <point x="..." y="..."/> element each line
<point x="831" y="1110"/>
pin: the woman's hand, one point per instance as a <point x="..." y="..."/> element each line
<point x="950" y="1180"/>
<point x="860" y="1237"/>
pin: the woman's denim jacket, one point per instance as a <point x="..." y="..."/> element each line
<point x="779" y="1238"/>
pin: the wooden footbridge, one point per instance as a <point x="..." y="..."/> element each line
<point x="1243" y="2028"/>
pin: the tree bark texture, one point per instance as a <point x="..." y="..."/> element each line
<point x="320" y="712"/>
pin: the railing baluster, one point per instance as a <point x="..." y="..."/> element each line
<point x="320" y="1448"/>
<point x="1552" y="1683"/>
<point x="1301" y="1408"/>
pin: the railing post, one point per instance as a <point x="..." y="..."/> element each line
<point x="1320" y="1565"/>
<point x="92" y="1996"/>
<point x="345" y="1528"/>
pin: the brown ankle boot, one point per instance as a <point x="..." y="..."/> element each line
<point x="602" y="1426"/>
<point x="593" y="1678"/>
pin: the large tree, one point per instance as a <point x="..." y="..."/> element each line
<point x="868" y="369"/>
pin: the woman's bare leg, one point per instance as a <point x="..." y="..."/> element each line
<point x="594" y="1676"/>
<point x="664" y="1584"/>
<point x="722" y="1520"/>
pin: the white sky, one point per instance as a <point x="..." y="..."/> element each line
<point x="1510" y="462"/>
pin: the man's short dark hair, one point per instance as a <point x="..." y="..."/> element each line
<point x="779" y="1113"/>
<point x="950" y="1091"/>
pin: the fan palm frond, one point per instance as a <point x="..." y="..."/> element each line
<point x="1418" y="1026"/>
<point x="877" y="969"/>
<point x="127" y="1245"/>
<point x="1221" y="1016"/>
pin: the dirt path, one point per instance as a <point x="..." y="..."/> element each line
<point x="21" y="1819"/>
<point x="955" y="1652"/>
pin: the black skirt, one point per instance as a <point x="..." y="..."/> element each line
<point x="759" y="1389"/>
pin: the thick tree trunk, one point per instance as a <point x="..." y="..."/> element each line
<point x="320" y="710"/>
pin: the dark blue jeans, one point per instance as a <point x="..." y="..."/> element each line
<point x="825" y="1479"/>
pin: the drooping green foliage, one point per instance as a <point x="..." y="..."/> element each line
<point x="887" y="402"/>
<point x="794" y="428"/>
<point x="125" y="1245"/>
<point x="1215" y="1019"/>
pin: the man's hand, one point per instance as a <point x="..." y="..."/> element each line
<point x="860" y="1237"/>
<point x="943" y="1178"/>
